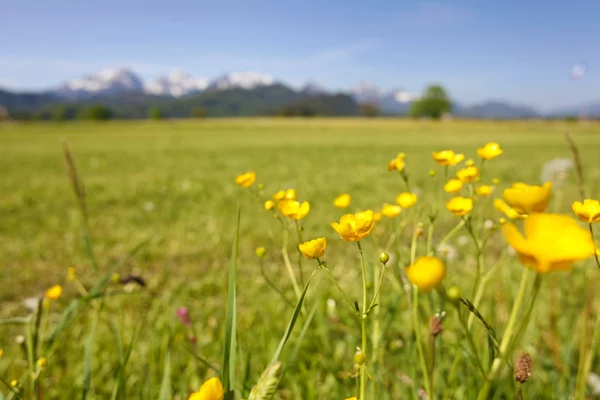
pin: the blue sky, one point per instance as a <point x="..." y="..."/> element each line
<point x="521" y="51"/>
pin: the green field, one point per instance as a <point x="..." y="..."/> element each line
<point x="170" y="184"/>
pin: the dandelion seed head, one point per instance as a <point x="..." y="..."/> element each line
<point x="462" y="240"/>
<point x="556" y="171"/>
<point x="447" y="251"/>
<point x="488" y="224"/>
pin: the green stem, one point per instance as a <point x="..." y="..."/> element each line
<point x="451" y="233"/>
<point x="588" y="359"/>
<point x="413" y="245"/>
<point x="363" y="323"/>
<point x="288" y="265"/>
<point x="594" y="239"/>
<point x="506" y="338"/>
<point x="326" y="269"/>
<point x="420" y="349"/>
<point x="300" y="256"/>
<point x="272" y="285"/>
<point x="377" y="289"/>
<point x="480" y="288"/>
<point x="429" y="246"/>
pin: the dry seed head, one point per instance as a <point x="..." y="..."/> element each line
<point x="267" y="383"/>
<point x="435" y="325"/>
<point x="523" y="368"/>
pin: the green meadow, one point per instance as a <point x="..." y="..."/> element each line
<point x="161" y="201"/>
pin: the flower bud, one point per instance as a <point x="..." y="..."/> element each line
<point x="261" y="186"/>
<point x="260" y="252"/>
<point x="495" y="181"/>
<point x="41" y="363"/>
<point x="453" y="293"/>
<point x="71" y="274"/>
<point x="384" y="258"/>
<point x="359" y="357"/>
<point x="432" y="173"/>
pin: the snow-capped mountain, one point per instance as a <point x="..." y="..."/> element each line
<point x="176" y="84"/>
<point x="108" y="81"/>
<point x="244" y="80"/>
<point x="394" y="101"/>
<point x="313" y="88"/>
<point x="366" y="92"/>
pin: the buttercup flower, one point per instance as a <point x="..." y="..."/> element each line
<point x="484" y="190"/>
<point x="588" y="211"/>
<point x="467" y="174"/>
<point x="1" y="352"/>
<point x="489" y="151"/>
<point x="293" y="209"/>
<point x="354" y="227"/>
<point x="426" y="273"/>
<point x="342" y="201"/>
<point x="406" y="199"/>
<point x="469" y="163"/>
<point x="551" y="243"/>
<point x="453" y="186"/>
<point x="269" y="205"/>
<point x="314" y="248"/>
<point x="397" y="164"/>
<point x="460" y="206"/>
<point x="246" y="180"/>
<point x="506" y="209"/>
<point x="289" y="194"/>
<point x="377" y="216"/>
<point x="54" y="292"/>
<point x="447" y="157"/>
<point x="391" y="210"/>
<point x="526" y="199"/>
<point x="212" y="389"/>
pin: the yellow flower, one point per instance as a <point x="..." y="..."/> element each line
<point x="460" y="206"/>
<point x="377" y="216"/>
<point x="453" y="186"/>
<point x="391" y="210"/>
<point x="342" y="201"/>
<point x="588" y="211"/>
<point x="447" y="157"/>
<point x="526" y="199"/>
<point x="54" y="292"/>
<point x="212" y="389"/>
<point x="354" y="227"/>
<point x="246" y="180"/>
<point x="426" y="273"/>
<point x="467" y="174"/>
<point x="506" y="209"/>
<point x="269" y="205"/>
<point x="551" y="243"/>
<point x="351" y="398"/>
<point x="495" y="181"/>
<point x="289" y="194"/>
<point x="293" y="209"/>
<point x="489" y="151"/>
<point x="1" y="352"/>
<point x="41" y="363"/>
<point x="314" y="248"/>
<point x="71" y="274"/>
<point x="406" y="199"/>
<point x="397" y="164"/>
<point x="469" y="163"/>
<point x="14" y="383"/>
<point x="484" y="190"/>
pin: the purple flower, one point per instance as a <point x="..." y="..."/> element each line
<point x="184" y="315"/>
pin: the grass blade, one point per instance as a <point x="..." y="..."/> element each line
<point x="292" y="322"/>
<point x="89" y="350"/>
<point x="230" y="319"/>
<point x="165" y="386"/>
<point x="303" y="332"/>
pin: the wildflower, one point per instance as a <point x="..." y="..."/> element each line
<point x="432" y="173"/>
<point x="246" y="180"/>
<point x="41" y="363"/>
<point x="447" y="157"/>
<point x="269" y="205"/>
<point x="391" y="210"/>
<point x="54" y="292"/>
<point x="14" y="383"/>
<point x="469" y="163"/>
<point x="526" y="199"/>
<point x="551" y="243"/>
<point x="448" y="252"/>
<point x="397" y="164"/>
<point x="260" y="252"/>
<point x="293" y="209"/>
<point x="556" y="170"/>
<point x="289" y="194"/>
<point x="467" y="174"/>
<point x="1" y="352"/>
<point x="314" y="248"/>
<point x="453" y="293"/>
<point x="377" y="216"/>
<point x="460" y="206"/>
<point x="510" y="212"/>
<point x="453" y="186"/>
<point x="354" y="227"/>
<point x="484" y="190"/>
<point x="342" y="201"/>
<point x="406" y="199"/>
<point x="384" y="258"/>
<point x="489" y="151"/>
<point x="212" y="389"/>
<point x="71" y="274"/>
<point x="495" y="181"/>
<point x="184" y="316"/>
<point x="588" y="211"/>
<point x="426" y="273"/>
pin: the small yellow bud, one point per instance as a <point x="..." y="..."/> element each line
<point x="359" y="357"/>
<point x="261" y="186"/>
<point x="41" y="363"/>
<point x="384" y="258"/>
<point x="432" y="173"/>
<point x="469" y="162"/>
<point x="502" y="220"/>
<point x="71" y="274"/>
<point x="260" y="252"/>
<point x="14" y="383"/>
<point x="116" y="277"/>
<point x="54" y="292"/>
<point x="495" y="181"/>
<point x="453" y="293"/>
<point x="269" y="205"/>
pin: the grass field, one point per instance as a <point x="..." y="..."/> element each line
<point x="171" y="183"/>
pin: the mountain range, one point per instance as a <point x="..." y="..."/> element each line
<point x="120" y="87"/>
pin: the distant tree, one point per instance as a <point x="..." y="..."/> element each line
<point x="433" y="104"/>
<point x="370" y="110"/>
<point x="198" y="112"/>
<point x="97" y="112"/>
<point x="155" y="113"/>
